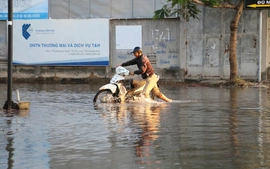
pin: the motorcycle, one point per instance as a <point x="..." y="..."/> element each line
<point x="116" y="91"/>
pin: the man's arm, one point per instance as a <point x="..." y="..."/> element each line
<point x="128" y="63"/>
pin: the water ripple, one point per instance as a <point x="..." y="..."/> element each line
<point x="205" y="128"/>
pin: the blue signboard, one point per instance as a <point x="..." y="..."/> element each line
<point x="49" y="42"/>
<point x="25" y="9"/>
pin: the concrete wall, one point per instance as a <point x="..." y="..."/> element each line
<point x="160" y="42"/>
<point x="37" y="74"/>
<point x="3" y="42"/>
<point x="179" y="50"/>
<point x="207" y="44"/>
<point x="200" y="47"/>
<point x="115" y="9"/>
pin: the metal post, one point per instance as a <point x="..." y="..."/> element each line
<point x="260" y="49"/>
<point x="8" y="104"/>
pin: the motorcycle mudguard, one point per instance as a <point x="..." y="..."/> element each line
<point x="111" y="87"/>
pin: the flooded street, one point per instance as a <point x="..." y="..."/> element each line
<point x="206" y="128"/>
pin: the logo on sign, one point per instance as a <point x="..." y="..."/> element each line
<point x="26" y="30"/>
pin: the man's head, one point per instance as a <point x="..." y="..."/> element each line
<point x="137" y="51"/>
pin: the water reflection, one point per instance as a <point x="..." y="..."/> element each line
<point x="249" y="126"/>
<point x="224" y="128"/>
<point x="234" y="121"/>
<point x="9" y="147"/>
<point x="137" y="125"/>
<point x="148" y="118"/>
<point x="8" y="118"/>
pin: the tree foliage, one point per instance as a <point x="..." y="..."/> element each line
<point x="184" y="8"/>
<point x="188" y="9"/>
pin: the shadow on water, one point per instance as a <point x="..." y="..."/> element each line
<point x="206" y="128"/>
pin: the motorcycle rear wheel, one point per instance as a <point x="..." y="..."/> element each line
<point x="104" y="96"/>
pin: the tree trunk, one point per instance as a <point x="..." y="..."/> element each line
<point x="233" y="41"/>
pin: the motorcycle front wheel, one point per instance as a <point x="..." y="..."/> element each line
<point x="104" y="96"/>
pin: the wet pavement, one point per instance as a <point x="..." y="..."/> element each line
<point x="205" y="128"/>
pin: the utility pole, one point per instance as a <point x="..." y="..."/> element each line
<point x="8" y="104"/>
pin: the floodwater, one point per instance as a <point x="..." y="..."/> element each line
<point x="206" y="128"/>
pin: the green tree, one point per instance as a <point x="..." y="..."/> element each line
<point x="188" y="9"/>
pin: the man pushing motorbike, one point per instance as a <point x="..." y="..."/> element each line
<point x="147" y="72"/>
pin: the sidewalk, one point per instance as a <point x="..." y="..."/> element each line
<point x="221" y="82"/>
<point x="213" y="83"/>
